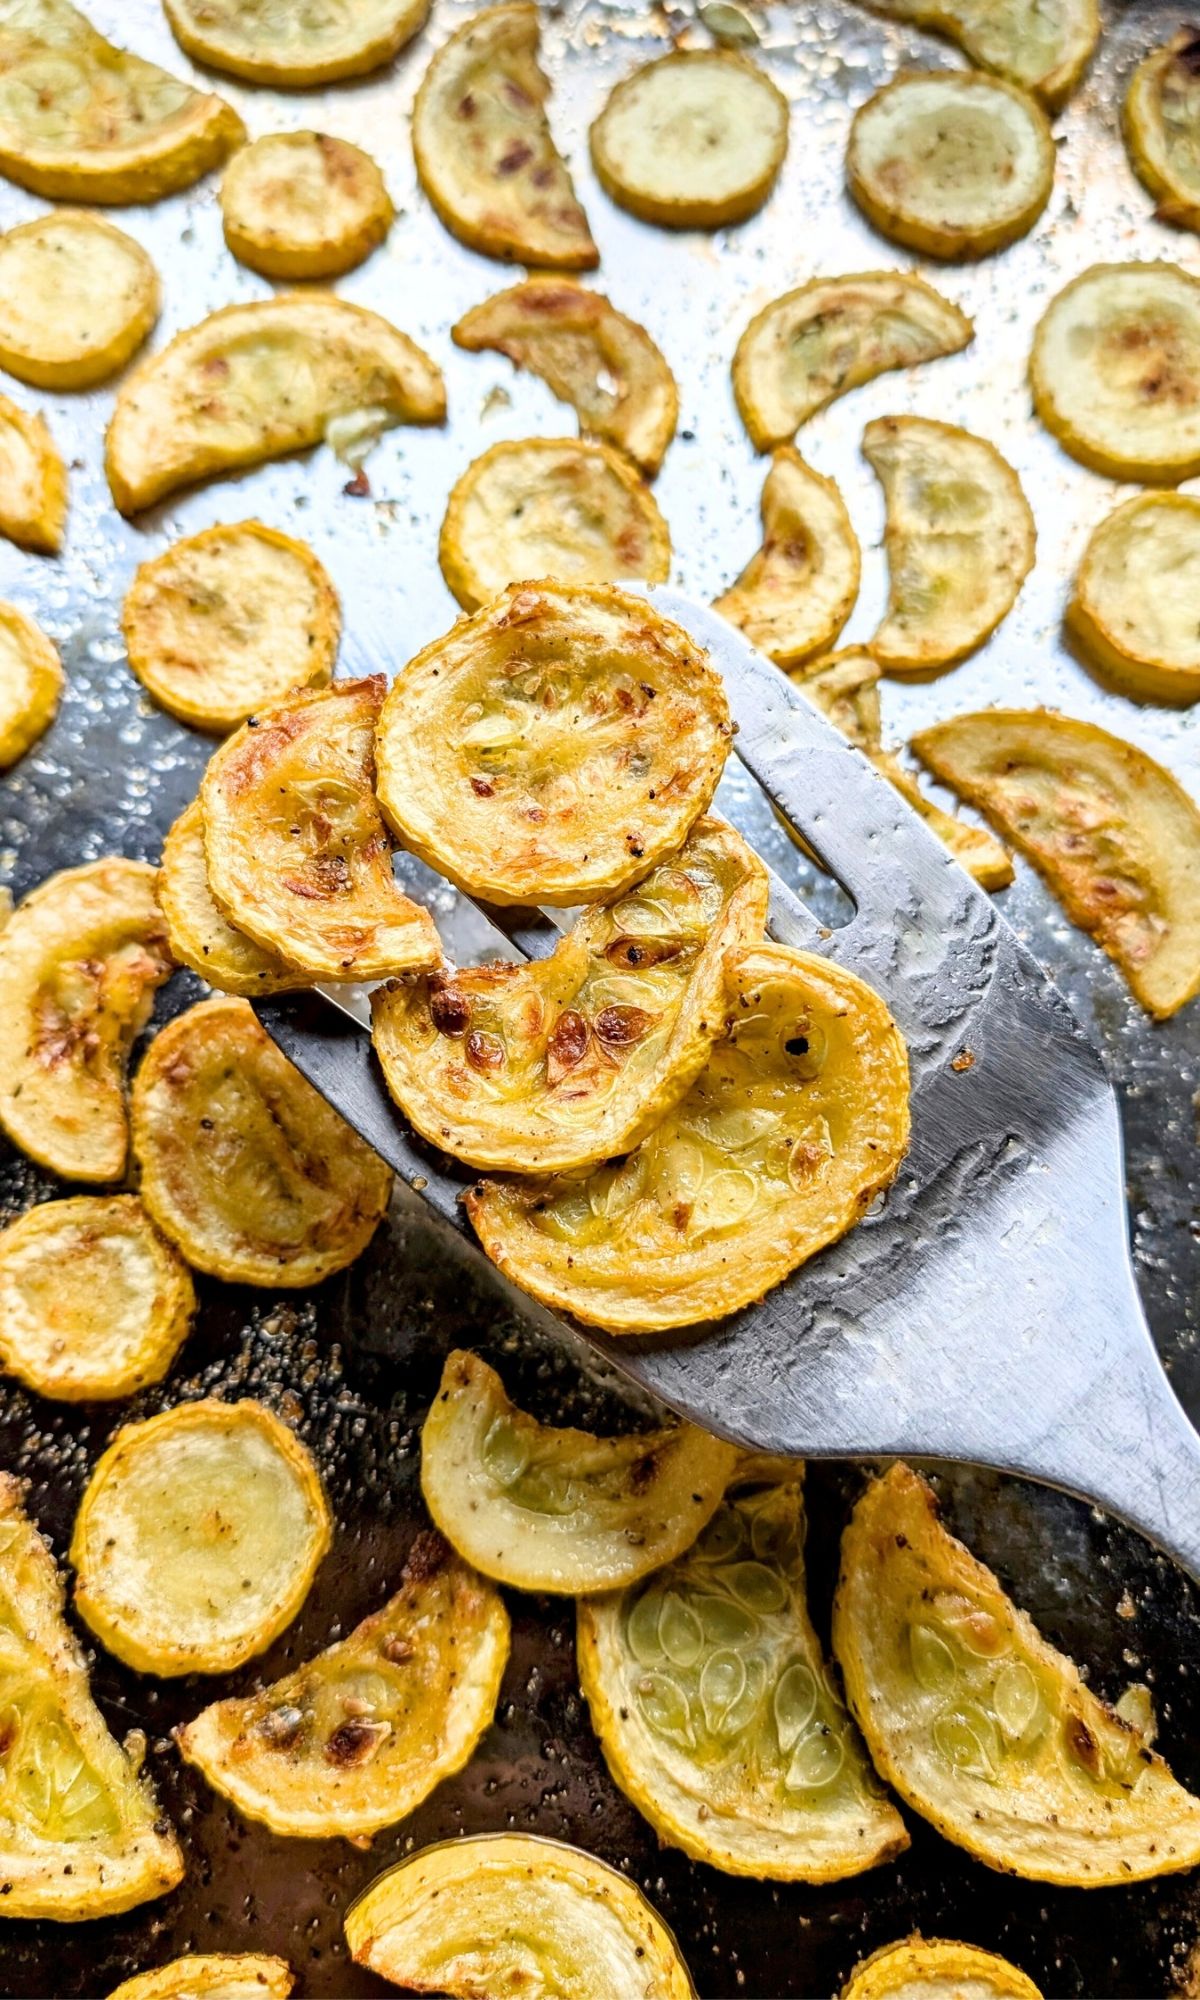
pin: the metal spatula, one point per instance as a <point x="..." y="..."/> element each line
<point x="987" y="1310"/>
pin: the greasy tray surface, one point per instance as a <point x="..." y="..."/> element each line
<point x="358" y="1360"/>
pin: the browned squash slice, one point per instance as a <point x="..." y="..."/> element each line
<point x="796" y="593"/>
<point x="33" y="482"/>
<point x="920" y="1968"/>
<point x="303" y="205"/>
<point x="197" y="932"/>
<point x="31" y="682"/>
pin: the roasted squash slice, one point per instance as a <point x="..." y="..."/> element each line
<point x="979" y="1724"/>
<point x="561" y="1062"/>
<point x="554" y="748"/>
<point x="81" y="120"/>
<point x="830" y="336"/>
<point x="253" y="381"/>
<point x="1136" y="606"/>
<point x="605" y="365"/>
<point x="198" y="1537"/>
<point x="303" y="205"/>
<point x="484" y="151"/>
<point x="80" y="1832"/>
<point x="1115" y="371"/>
<point x="716" y="1712"/>
<point x="960" y="541"/>
<point x="693" y="140"/>
<point x="1113" y="834"/>
<point x="93" y="1301"/>
<point x="242" y="1163"/>
<point x="228" y="620"/>
<point x="561" y="1510"/>
<point x="951" y="163"/>
<point x="1162" y="127"/>
<point x="550" y="507"/>
<point x="796" y="593"/>
<point x="80" y="960"/>
<point x="920" y="1968"/>
<point x="33" y="482"/>
<point x="216" y="1975"/>
<point x="198" y="934"/>
<point x="274" y="41"/>
<point x="298" y="856"/>
<point x="1043" y="45"/>
<point x="77" y="299"/>
<point x="503" y="1913"/>
<point x="798" y="1122"/>
<point x="31" y="681"/>
<point x="356" y="1738"/>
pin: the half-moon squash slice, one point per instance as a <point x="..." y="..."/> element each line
<point x="81" y="120"/>
<point x="77" y="299"/>
<point x="605" y="365"/>
<point x="561" y="1510"/>
<point x="554" y="748"/>
<point x="31" y="682"/>
<point x="716" y="1711"/>
<point x="981" y="1725"/>
<point x="198" y="934"/>
<point x="830" y="336"/>
<point x="1136" y="604"/>
<point x="796" y="593"/>
<point x="241" y="1162"/>
<point x="483" y="1916"/>
<point x="960" y="541"/>
<point x="1161" y="121"/>
<point x="33" y="482"/>
<point x="693" y="140"/>
<point x="80" y="960"/>
<point x="303" y="205"/>
<point x="484" y="151"/>
<point x="561" y="1062"/>
<point x="197" y="1538"/>
<point x="1043" y="45"/>
<point x="218" y="1975"/>
<point x="294" y="48"/>
<point x="1114" y="835"/>
<point x="253" y="381"/>
<point x="81" y="1834"/>
<point x="799" y="1120"/>
<point x="918" y="1968"/>
<point x="356" y="1738"/>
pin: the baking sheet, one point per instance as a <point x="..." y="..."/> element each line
<point x="356" y="1361"/>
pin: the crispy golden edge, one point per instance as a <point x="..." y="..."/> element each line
<point x="42" y="530"/>
<point x="1133" y="673"/>
<point x="270" y="251"/>
<point x="20" y="728"/>
<point x="674" y="212"/>
<point x="290" y="73"/>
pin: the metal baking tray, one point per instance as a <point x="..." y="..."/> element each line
<point x="355" y="1362"/>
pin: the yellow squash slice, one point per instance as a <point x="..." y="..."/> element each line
<point x="693" y="140"/>
<point x="979" y="1723"/>
<point x="561" y="1510"/>
<point x="484" y="151"/>
<point x="951" y="163"/>
<point x="242" y="1163"/>
<point x="198" y="934"/>
<point x="554" y="748"/>
<point x="1113" y="834"/>
<point x="198" y="1537"/>
<point x="782" y="1143"/>
<point x="812" y="345"/>
<point x="274" y="41"/>
<point x="561" y="1062"/>
<point x="960" y="541"/>
<point x="303" y="205"/>
<point x="81" y="120"/>
<point x="228" y="620"/>
<point x="80" y="1832"/>
<point x="1115" y="371"/>
<point x="216" y="1975"/>
<point x="356" y="1738"/>
<point x="1043" y="45"/>
<point x="31" y="681"/>
<point x="93" y="1301"/>
<point x="253" y="381"/>
<point x="591" y="356"/>
<point x="33" y="482"/>
<point x="1162" y="127"/>
<point x="77" y="299"/>
<point x="550" y="507"/>
<point x="1136" y="607"/>
<point x="80" y="960"/>
<point x="297" y="853"/>
<point x="503" y="1914"/>
<point x="717" y="1714"/>
<point x="918" y="1968"/>
<point x="796" y="593"/>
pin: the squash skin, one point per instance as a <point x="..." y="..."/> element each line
<point x="31" y="683"/>
<point x="798" y="589"/>
<point x="221" y="1975"/>
<point x="1146" y="130"/>
<point x="198" y="934"/>
<point x="918" y="1968"/>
